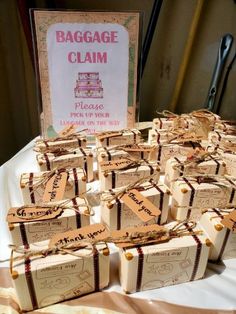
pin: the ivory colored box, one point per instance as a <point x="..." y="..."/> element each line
<point x="223" y="239"/>
<point x="190" y="192"/>
<point x="230" y="161"/>
<point x="32" y="191"/>
<point x="117" y="215"/>
<point x="55" y="278"/>
<point x="118" y="178"/>
<point x="216" y="137"/>
<point x="124" y="137"/>
<point x="159" y="136"/>
<point x="154" y="266"/>
<point x="76" y="215"/>
<point x="163" y="123"/>
<point x="181" y="213"/>
<point x="47" y="145"/>
<point x="175" y="168"/>
<point x="80" y="157"/>
<point x="167" y="151"/>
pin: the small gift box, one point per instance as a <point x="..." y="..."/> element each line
<point x="223" y="239"/>
<point x="118" y="213"/>
<point x="181" y="213"/>
<point x="80" y="157"/>
<point x="151" y="266"/>
<point x="47" y="278"/>
<point x="204" y="192"/>
<point x="225" y="125"/>
<point x="160" y="136"/>
<point x="166" y="151"/>
<point x="197" y="163"/>
<point x="115" y="174"/>
<point x="76" y="141"/>
<point x="220" y="138"/>
<point x="30" y="223"/>
<point x="33" y="185"/>
<point x="163" y="123"/>
<point x="230" y="161"/>
<point x="136" y="151"/>
<point x="123" y="137"/>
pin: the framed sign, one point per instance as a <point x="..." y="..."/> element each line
<point x="87" y="68"/>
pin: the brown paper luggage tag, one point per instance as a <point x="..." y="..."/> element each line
<point x="68" y="130"/>
<point x="28" y="214"/>
<point x="137" y="148"/>
<point x="92" y="232"/>
<point x="104" y="135"/>
<point x="115" y="164"/>
<point x="229" y="221"/>
<point x="151" y="232"/>
<point x="55" y="187"/>
<point x="140" y="205"/>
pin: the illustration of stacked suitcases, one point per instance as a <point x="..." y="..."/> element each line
<point x="88" y="85"/>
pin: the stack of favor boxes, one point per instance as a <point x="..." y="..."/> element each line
<point x="182" y="178"/>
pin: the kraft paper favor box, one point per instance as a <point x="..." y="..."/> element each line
<point x="41" y="281"/>
<point x="75" y="214"/>
<point x="32" y="190"/>
<point x="166" y="151"/>
<point x="179" y="260"/>
<point x="176" y="167"/>
<point x="49" y="145"/>
<point x="80" y="157"/>
<point x="118" y="178"/>
<point x="204" y="192"/>
<point x="181" y="213"/>
<point x="223" y="239"/>
<point x="116" y="214"/>
<point x="123" y="137"/>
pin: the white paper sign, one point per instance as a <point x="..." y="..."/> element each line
<point x="81" y="58"/>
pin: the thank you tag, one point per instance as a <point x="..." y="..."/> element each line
<point x="229" y="221"/>
<point x="115" y="164"/>
<point x="55" y="187"/>
<point x="145" y="234"/>
<point x="92" y="232"/>
<point x="104" y="135"/>
<point x="140" y="205"/>
<point x="68" y="130"/>
<point x="27" y="214"/>
<point x="138" y="148"/>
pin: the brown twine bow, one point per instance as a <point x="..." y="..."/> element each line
<point x="197" y="157"/>
<point x="54" y="208"/>
<point x="72" y="136"/>
<point x="183" y="228"/>
<point x="223" y="211"/>
<point x="46" y="176"/>
<point x="217" y="180"/>
<point x="109" y="134"/>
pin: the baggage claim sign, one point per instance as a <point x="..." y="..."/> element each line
<point x="87" y="65"/>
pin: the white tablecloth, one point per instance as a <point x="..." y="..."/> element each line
<point x="216" y="291"/>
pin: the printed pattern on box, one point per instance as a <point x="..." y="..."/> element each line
<point x="158" y="265"/>
<point x="55" y="278"/>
